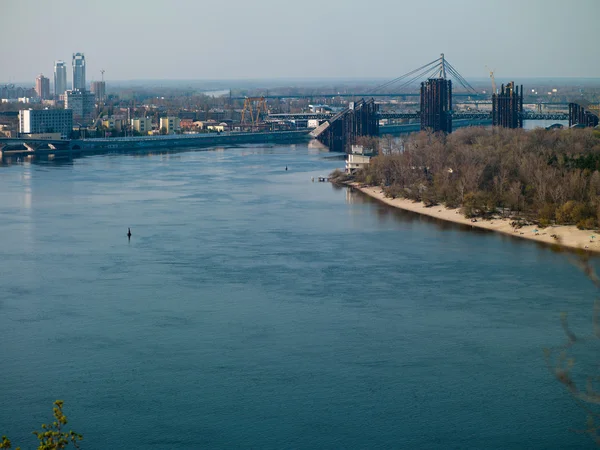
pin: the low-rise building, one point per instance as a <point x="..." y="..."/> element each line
<point x="170" y="124"/>
<point x="42" y="121"/>
<point x="142" y="125"/>
<point x="358" y="159"/>
<point x="186" y="124"/>
<point x="220" y="127"/>
<point x="113" y="123"/>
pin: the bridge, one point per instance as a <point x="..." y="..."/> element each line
<point x="358" y="95"/>
<point x="435" y="112"/>
<point x="471" y="115"/>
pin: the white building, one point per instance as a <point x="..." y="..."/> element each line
<point x="357" y="159"/>
<point x="82" y="104"/>
<point x="44" y="121"/>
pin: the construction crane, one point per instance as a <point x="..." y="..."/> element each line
<point x="102" y="72"/>
<point x="254" y="106"/>
<point x="494" y="91"/>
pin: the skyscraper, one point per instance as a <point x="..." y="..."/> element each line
<point x="60" y="78"/>
<point x="78" y="71"/>
<point x="42" y="87"/>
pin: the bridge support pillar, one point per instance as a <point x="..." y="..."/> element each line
<point x="31" y="147"/>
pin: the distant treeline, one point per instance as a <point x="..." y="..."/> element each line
<point x="545" y="176"/>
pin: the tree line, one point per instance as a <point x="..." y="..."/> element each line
<point x="543" y="176"/>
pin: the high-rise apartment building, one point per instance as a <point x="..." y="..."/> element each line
<point x="81" y="103"/>
<point x="42" y="87"/>
<point x="60" y="78"/>
<point x="78" y="71"/>
<point x="99" y="90"/>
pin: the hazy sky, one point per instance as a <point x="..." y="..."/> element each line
<point x="198" y="39"/>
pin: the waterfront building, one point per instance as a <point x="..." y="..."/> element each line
<point x="42" y="87"/>
<point x="170" y="124"/>
<point x="43" y="121"/>
<point x="78" y="71"/>
<point x="82" y="104"/>
<point x="98" y="88"/>
<point x="142" y="125"/>
<point x="60" y="78"/>
<point x="358" y="159"/>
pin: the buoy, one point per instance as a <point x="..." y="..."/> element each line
<point x="128" y="233"/>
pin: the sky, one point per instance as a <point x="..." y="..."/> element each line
<point x="271" y="39"/>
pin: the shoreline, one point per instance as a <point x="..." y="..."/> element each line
<point x="570" y="236"/>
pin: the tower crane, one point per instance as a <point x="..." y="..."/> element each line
<point x="493" y="79"/>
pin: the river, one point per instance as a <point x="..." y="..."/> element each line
<point x="254" y="308"/>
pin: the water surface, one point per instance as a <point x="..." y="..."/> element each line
<point x="254" y="308"/>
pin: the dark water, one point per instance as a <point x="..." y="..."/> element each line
<point x="256" y="309"/>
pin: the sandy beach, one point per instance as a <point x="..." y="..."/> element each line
<point x="569" y="236"/>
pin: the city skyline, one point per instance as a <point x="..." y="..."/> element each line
<point x="537" y="39"/>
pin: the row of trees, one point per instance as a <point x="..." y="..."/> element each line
<point x="546" y="176"/>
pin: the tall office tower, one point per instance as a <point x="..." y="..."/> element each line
<point x="42" y="87"/>
<point x="78" y="71"/>
<point x="60" y="78"/>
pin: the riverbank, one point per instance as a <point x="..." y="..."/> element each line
<point x="568" y="236"/>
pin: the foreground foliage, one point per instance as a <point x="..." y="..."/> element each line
<point x="546" y="176"/>
<point x="52" y="436"/>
